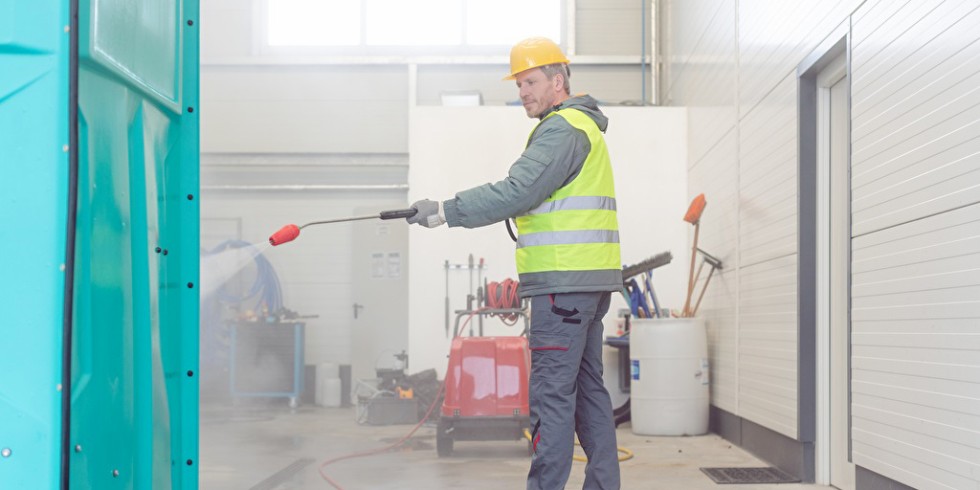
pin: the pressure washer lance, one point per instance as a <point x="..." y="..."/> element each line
<point x="289" y="233"/>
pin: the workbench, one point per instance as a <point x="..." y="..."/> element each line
<point x="267" y="359"/>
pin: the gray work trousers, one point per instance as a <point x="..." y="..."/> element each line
<point x="566" y="392"/>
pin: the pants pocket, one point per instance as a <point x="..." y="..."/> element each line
<point x="549" y="355"/>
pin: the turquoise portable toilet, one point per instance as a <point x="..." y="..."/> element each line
<point x="99" y="202"/>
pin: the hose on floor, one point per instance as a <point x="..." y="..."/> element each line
<point x="397" y="443"/>
<point x="625" y="455"/>
<point x="381" y="449"/>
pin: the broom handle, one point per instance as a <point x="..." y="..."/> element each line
<point x="705" y="288"/>
<point x="690" y="277"/>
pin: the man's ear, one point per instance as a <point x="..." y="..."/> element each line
<point x="558" y="83"/>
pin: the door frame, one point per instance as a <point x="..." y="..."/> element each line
<point x="813" y="308"/>
<point x="828" y="77"/>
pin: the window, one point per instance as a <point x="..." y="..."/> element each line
<point x="314" y="23"/>
<point x="432" y="23"/>
<point x="508" y="21"/>
<point x="413" y="23"/>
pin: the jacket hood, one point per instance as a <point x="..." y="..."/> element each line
<point x="586" y="104"/>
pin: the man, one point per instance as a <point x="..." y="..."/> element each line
<point x="560" y="192"/>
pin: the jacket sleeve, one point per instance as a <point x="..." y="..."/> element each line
<point x="554" y="156"/>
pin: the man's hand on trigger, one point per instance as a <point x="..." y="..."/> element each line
<point x="429" y="214"/>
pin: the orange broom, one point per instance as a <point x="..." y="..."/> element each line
<point x="693" y="216"/>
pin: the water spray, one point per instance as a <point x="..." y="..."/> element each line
<point x="289" y="233"/>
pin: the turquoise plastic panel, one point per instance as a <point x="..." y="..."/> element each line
<point x="134" y="352"/>
<point x="34" y="53"/>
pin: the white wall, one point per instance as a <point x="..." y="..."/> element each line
<point x="257" y="101"/>
<point x="733" y="64"/>
<point x="304" y="109"/>
<point x="915" y="179"/>
<point x="452" y="149"/>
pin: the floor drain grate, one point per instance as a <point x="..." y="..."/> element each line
<point x="748" y="475"/>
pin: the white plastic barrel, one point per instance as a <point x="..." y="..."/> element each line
<point x="669" y="377"/>
<point x="331" y="392"/>
<point x="327" y="370"/>
<point x="327" y="375"/>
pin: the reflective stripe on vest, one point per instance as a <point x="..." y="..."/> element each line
<point x="576" y="203"/>
<point x="575" y="229"/>
<point x="567" y="238"/>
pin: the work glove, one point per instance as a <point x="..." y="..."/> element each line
<point x="428" y="214"/>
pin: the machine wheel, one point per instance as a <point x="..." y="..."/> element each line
<point x="444" y="439"/>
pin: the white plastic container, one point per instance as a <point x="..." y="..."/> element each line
<point x="327" y="370"/>
<point x="669" y="377"/>
<point x="328" y="392"/>
<point x="324" y="372"/>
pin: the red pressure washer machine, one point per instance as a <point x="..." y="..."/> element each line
<point x="487" y="379"/>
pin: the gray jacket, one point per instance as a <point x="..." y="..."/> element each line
<point x="553" y="157"/>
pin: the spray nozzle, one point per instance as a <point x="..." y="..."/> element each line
<point x="285" y="234"/>
<point x="289" y="233"/>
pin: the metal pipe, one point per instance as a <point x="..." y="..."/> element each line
<point x="643" y="51"/>
<point x="655" y="50"/>
<point x="570" y="20"/>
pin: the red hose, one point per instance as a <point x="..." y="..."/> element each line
<point x="381" y="449"/>
<point x="389" y="447"/>
<point x="503" y="295"/>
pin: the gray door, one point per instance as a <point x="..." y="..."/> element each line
<point x="380" y="291"/>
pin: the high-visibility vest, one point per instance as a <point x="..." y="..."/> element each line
<point x="575" y="229"/>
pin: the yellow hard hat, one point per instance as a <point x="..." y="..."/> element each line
<point x="532" y="53"/>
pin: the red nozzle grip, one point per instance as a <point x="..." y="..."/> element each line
<point x="285" y="234"/>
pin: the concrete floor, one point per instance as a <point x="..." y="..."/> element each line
<point x="271" y="447"/>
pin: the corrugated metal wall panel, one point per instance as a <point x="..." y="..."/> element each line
<point x="610" y="84"/>
<point x="716" y="176"/>
<point x="767" y="344"/>
<point x="959" y="76"/>
<point x="718" y="310"/>
<point x="610" y="28"/>
<point x="917" y="135"/>
<point x="710" y="90"/>
<point x="897" y="465"/>
<point x="916" y="372"/>
<point x="909" y="35"/>
<point x="908" y="79"/>
<point x="699" y="61"/>
<point x="767" y="180"/>
<point x="916" y="219"/>
<point x="916" y="378"/>
<point x="607" y="4"/>
<point x="956" y="411"/>
<point x="773" y="38"/>
<point x="686" y="23"/>
<point x="912" y="439"/>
